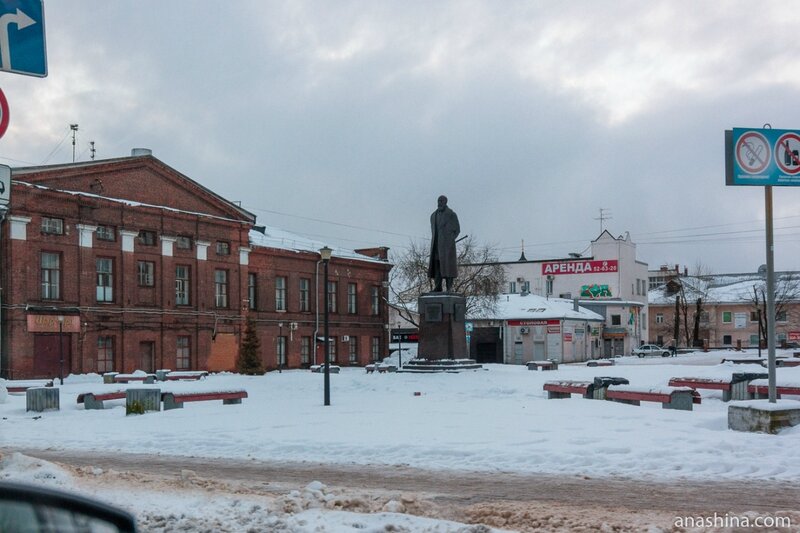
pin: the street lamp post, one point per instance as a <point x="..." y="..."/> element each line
<point x="400" y="347"/>
<point x="325" y="254"/>
<point x="61" y="348"/>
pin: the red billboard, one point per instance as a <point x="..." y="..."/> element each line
<point x="601" y="266"/>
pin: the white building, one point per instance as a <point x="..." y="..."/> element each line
<point x="537" y="328"/>
<point x="610" y="281"/>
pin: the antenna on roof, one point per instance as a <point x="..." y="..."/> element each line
<point x="92" y="150"/>
<point x="604" y="215"/>
<point x="74" y="128"/>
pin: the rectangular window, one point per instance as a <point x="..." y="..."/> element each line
<point x="727" y="317"/>
<point x="183" y="242"/>
<point x="105" y="354"/>
<point x="659" y="318"/>
<point x="753" y="340"/>
<point x="106" y="233"/>
<point x="183" y="352"/>
<point x="182" y="290"/>
<point x="526" y="286"/>
<point x="616" y="320"/>
<point x="780" y="316"/>
<point x="727" y="339"/>
<point x="281" y="351"/>
<point x="52" y="226"/>
<point x="376" y="301"/>
<point x="332" y="349"/>
<point x="146" y="273"/>
<point x="333" y="288"/>
<point x="660" y="340"/>
<point x="147" y="238"/>
<point x="376" y="348"/>
<point x="352" y="298"/>
<point x="512" y="287"/>
<point x="252" y="291"/>
<point x="305" y="285"/>
<point x="280" y="293"/>
<point x="51" y="276"/>
<point x="105" y="279"/>
<point x="305" y="350"/>
<point x="549" y="285"/>
<point x="753" y="316"/>
<point x="221" y="288"/>
<point x="353" y="349"/>
<point x="223" y="248"/>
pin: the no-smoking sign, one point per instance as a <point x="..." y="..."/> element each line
<point x="752" y="152"/>
<point x="787" y="153"/>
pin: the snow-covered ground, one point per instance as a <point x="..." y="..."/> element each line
<point x="497" y="419"/>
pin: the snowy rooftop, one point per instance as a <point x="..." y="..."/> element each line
<point x="725" y="288"/>
<point x="284" y="240"/>
<point x="533" y="307"/>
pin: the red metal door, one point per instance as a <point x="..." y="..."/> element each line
<point x="47" y="356"/>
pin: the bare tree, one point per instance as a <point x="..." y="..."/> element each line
<point x="480" y="277"/>
<point x="787" y="291"/>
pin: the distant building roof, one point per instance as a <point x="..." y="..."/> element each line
<point x="533" y="307"/>
<point x="724" y="288"/>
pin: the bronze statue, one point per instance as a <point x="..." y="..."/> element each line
<point x="443" y="263"/>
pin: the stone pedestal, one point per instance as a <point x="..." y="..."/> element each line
<point x="763" y="417"/>
<point x="40" y="399"/>
<point x="442" y="334"/>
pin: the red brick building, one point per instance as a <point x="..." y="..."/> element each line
<point x="132" y="265"/>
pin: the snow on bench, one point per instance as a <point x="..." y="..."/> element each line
<point x="94" y="400"/>
<point x="564" y="389"/>
<point x="601" y="362"/>
<point x="176" y="399"/>
<point x="759" y="388"/>
<point x="542" y="365"/>
<point x="126" y="378"/>
<point x="185" y="375"/>
<point x="724" y="385"/>
<point x="670" y="397"/>
<point x="22" y="385"/>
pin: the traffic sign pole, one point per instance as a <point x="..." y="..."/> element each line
<point x="770" y="296"/>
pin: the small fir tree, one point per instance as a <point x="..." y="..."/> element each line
<point x="250" y="352"/>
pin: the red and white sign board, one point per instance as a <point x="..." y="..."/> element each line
<point x="787" y="153"/>
<point x="556" y="268"/>
<point x="752" y="152"/>
<point x="567" y="337"/>
<point x="50" y="324"/>
<point x="4" y="114"/>
<point x="794" y="335"/>
<point x="533" y="322"/>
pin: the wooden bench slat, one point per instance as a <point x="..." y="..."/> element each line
<point x="700" y="383"/>
<point x="638" y="395"/>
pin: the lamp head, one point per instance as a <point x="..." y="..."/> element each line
<point x="325" y="254"/>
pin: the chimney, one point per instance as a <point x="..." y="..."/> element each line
<point x="137" y="152"/>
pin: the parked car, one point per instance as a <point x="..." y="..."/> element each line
<point x="651" y="349"/>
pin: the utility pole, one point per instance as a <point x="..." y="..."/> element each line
<point x="74" y="128"/>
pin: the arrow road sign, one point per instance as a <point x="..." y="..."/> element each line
<point x="22" y="48"/>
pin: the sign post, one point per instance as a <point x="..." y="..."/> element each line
<point x="764" y="157"/>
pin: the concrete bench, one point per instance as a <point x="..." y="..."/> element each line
<point x="759" y="389"/>
<point x="749" y="361"/>
<point x="127" y="378"/>
<point x="565" y="389"/>
<point x="601" y="384"/>
<point x="175" y="400"/>
<point x="370" y="369"/>
<point x="185" y="375"/>
<point x="94" y="400"/>
<point x="723" y="385"/>
<point x="681" y="398"/>
<point x="22" y="385"/>
<point x="42" y="399"/>
<point x="542" y="365"/>
<point x="787" y="362"/>
<point x="601" y="362"/>
<point x="332" y="369"/>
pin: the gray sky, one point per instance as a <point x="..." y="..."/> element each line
<point x="345" y="120"/>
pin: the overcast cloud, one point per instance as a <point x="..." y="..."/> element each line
<point x="345" y="120"/>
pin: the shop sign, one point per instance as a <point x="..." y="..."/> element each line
<point x="49" y="324"/>
<point x="555" y="268"/>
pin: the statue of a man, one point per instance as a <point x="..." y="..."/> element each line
<point x="443" y="263"/>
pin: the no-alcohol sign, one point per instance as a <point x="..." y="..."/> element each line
<point x="762" y="157"/>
